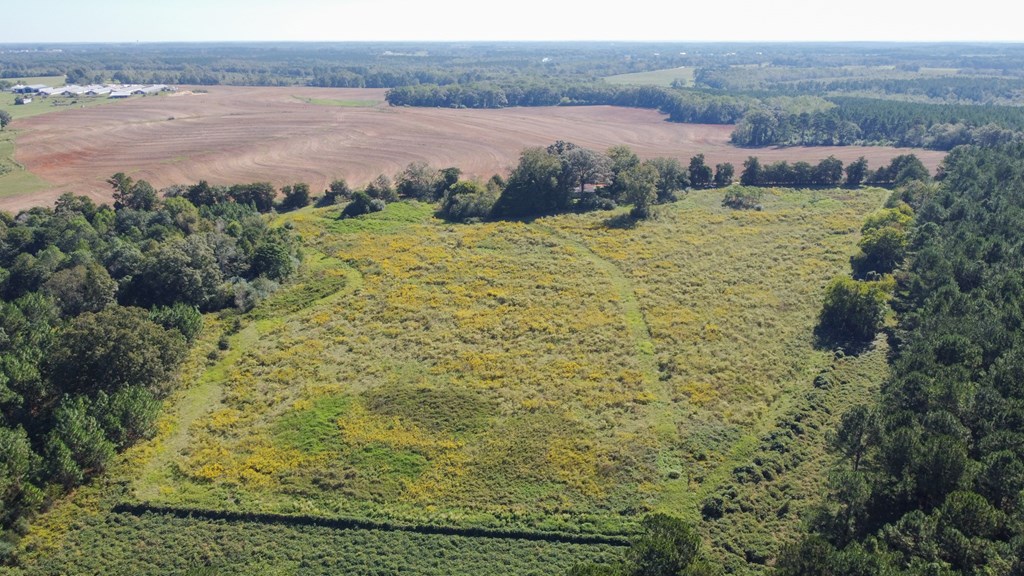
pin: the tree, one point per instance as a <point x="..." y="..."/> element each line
<point x="882" y="251"/>
<point x="856" y="171"/>
<point x="667" y="547"/>
<point x="700" y="172"/>
<point x="77" y="434"/>
<point x="446" y="178"/>
<point x="203" y="194"/>
<point x="82" y="288"/>
<point x="335" y="193"/>
<point x="724" y="174"/>
<point x="113" y="349"/>
<point x="534" y="187"/>
<point x="18" y="465"/>
<point x="753" y="173"/>
<point x="182" y="317"/>
<point x="130" y="194"/>
<point x="640" y="188"/>
<point x="259" y="194"/>
<point x="127" y="415"/>
<point x="381" y="189"/>
<point x="273" y="259"/>
<point x="622" y="159"/>
<point x="5" y="119"/>
<point x="853" y="311"/>
<point x="295" y="196"/>
<point x="184" y="270"/>
<point x="672" y="178"/>
<point x="465" y="201"/>
<point x="418" y="181"/>
<point x="584" y="166"/>
<point x="828" y="172"/>
<point x="854" y="434"/>
<point x="743" y="198"/>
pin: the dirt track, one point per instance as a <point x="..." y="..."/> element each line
<point x="236" y="134"/>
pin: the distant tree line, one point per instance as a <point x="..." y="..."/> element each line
<point x="874" y="121"/>
<point x="681" y="105"/>
<point x="98" y="307"/>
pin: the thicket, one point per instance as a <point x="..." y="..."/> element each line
<point x="933" y="471"/>
<point x="98" y="306"/>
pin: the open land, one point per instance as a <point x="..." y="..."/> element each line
<point x="563" y="375"/>
<point x="286" y="135"/>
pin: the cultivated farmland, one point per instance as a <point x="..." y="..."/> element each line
<point x="286" y="135"/>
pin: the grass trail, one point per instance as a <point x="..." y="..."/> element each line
<point x="639" y="331"/>
<point x="205" y="397"/>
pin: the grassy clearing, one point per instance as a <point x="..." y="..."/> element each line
<point x="341" y="103"/>
<point x="580" y="375"/>
<point x="562" y="375"/>
<point x="683" y="74"/>
<point x="48" y="105"/>
<point x="51" y="81"/>
<point x="14" y="179"/>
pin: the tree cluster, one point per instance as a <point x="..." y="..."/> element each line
<point x="98" y="306"/>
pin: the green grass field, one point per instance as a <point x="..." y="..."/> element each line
<point x="684" y="74"/>
<point x="14" y="179"/>
<point x="51" y="81"/>
<point x="562" y="375"/>
<point x="341" y="103"/>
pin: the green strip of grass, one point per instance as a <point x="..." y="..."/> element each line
<point x="14" y="179"/>
<point x="340" y="103"/>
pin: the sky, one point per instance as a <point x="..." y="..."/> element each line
<point x="454" y="20"/>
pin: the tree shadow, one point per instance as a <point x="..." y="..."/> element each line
<point x="624" y="221"/>
<point x="825" y="339"/>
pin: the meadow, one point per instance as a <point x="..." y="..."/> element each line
<point x="565" y="375"/>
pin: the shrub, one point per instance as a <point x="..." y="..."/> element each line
<point x="743" y="198"/>
<point x="361" y="204"/>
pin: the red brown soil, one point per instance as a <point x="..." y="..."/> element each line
<point x="240" y="134"/>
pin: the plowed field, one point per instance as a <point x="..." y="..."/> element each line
<point x="241" y="134"/>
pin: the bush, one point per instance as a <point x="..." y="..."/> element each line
<point x="743" y="198"/>
<point x="361" y="204"/>
<point x="465" y="201"/>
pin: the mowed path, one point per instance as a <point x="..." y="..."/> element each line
<point x="244" y="134"/>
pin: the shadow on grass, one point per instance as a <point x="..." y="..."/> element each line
<point x="840" y="343"/>
<point x="624" y="221"/>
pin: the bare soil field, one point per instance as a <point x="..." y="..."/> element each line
<point x="242" y="134"/>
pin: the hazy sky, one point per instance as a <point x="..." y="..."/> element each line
<point x="674" y="20"/>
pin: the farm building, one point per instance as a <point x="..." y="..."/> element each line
<point x="120" y="94"/>
<point x="30" y="89"/>
<point x="98" y="90"/>
<point x="50" y="91"/>
<point x="146" y="90"/>
<point x="73" y="90"/>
